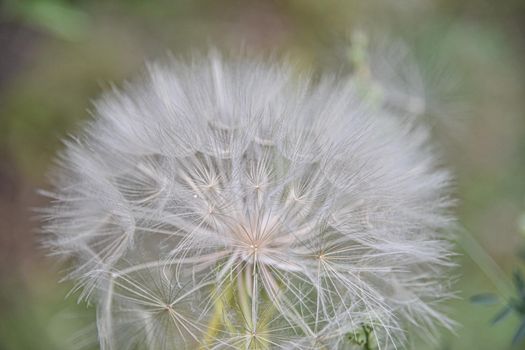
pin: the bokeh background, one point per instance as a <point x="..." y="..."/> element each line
<point x="57" y="55"/>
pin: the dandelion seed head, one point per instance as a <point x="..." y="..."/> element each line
<point x="226" y="204"/>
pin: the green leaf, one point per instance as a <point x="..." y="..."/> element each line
<point x="503" y="314"/>
<point x="519" y="282"/>
<point x="520" y="334"/>
<point x="484" y="299"/>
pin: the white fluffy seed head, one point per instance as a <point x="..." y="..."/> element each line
<point x="228" y="204"/>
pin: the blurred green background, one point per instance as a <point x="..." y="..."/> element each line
<point x="57" y="55"/>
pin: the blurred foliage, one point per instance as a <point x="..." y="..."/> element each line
<point x="473" y="48"/>
<point x="60" y="18"/>
<point x="515" y="305"/>
<point x="41" y="318"/>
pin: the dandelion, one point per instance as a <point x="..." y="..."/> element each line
<point x="235" y="204"/>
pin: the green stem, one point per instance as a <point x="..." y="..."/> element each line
<point x="217" y="320"/>
<point x="485" y="262"/>
<point x="237" y="295"/>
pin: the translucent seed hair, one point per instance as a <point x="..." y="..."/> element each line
<point x="237" y="204"/>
